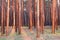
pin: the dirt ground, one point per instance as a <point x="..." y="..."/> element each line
<point x="27" y="35"/>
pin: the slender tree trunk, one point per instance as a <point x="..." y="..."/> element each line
<point x="20" y="25"/>
<point x="56" y="16"/>
<point x="53" y="10"/>
<point x="13" y="9"/>
<point x="30" y="14"/>
<point x="22" y="10"/>
<point x="2" y="27"/>
<point x="37" y="19"/>
<point x="7" y="27"/>
<point x="34" y="13"/>
<point x="4" y="15"/>
<point x="42" y="15"/>
<point x="16" y="15"/>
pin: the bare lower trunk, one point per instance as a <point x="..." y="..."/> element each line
<point x="20" y="25"/>
<point x="2" y="27"/>
<point x="37" y="17"/>
<point x="13" y="9"/>
<point x="16" y="15"/>
<point x="30" y="14"/>
<point x="53" y="15"/>
<point x="42" y="18"/>
<point x="7" y="27"/>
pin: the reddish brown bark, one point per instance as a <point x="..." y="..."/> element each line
<point x="2" y="27"/>
<point x="22" y="10"/>
<point x="42" y="18"/>
<point x="29" y="9"/>
<point x="4" y="16"/>
<point x="54" y="15"/>
<point x="56" y="20"/>
<point x="37" y="19"/>
<point x="16" y="15"/>
<point x="35" y="4"/>
<point x="20" y="21"/>
<point x="7" y="27"/>
<point x="13" y="9"/>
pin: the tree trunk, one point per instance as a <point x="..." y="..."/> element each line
<point x="37" y="19"/>
<point x="42" y="17"/>
<point x="13" y="9"/>
<point x="7" y="27"/>
<point x="16" y="15"/>
<point x="20" y="22"/>
<point x="53" y="14"/>
<point x="30" y="14"/>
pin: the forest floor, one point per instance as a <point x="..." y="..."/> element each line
<point x="27" y="35"/>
